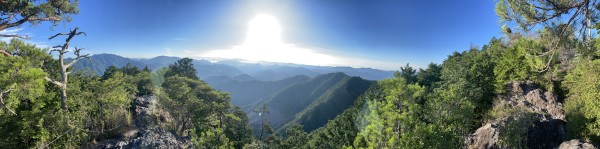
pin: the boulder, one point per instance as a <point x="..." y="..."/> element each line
<point x="539" y="114"/>
<point x="485" y="137"/>
<point x="576" y="144"/>
<point x="146" y="133"/>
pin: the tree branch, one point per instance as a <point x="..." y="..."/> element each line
<point x="5" y="53"/>
<point x="51" y="18"/>
<point x="70" y="34"/>
<point x="78" y="56"/>
<point x="2" y="101"/>
<point x="16" y="36"/>
<point x="54" y="82"/>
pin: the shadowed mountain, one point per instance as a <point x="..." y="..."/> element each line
<point x="312" y="102"/>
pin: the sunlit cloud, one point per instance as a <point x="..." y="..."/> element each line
<point x="263" y="43"/>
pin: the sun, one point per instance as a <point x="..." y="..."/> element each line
<point x="264" y="43"/>
<point x="263" y="31"/>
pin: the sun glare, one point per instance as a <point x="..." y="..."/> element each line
<point x="264" y="43"/>
<point x="263" y="32"/>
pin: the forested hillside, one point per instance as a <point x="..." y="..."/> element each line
<point x="536" y="87"/>
<point x="312" y="102"/>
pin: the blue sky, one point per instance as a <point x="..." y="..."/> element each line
<point x="390" y="32"/>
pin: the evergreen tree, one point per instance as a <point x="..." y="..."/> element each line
<point x="184" y="68"/>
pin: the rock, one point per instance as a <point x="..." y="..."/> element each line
<point x="143" y="109"/>
<point x="147" y="134"/>
<point x="575" y="144"/>
<point x="529" y="95"/>
<point x="484" y="138"/>
<point x="540" y="111"/>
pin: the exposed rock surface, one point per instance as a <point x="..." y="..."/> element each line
<point x="485" y="137"/>
<point x="545" y="130"/>
<point x="576" y="144"/>
<point x="146" y="134"/>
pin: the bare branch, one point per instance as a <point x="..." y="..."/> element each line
<point x="2" y="101"/>
<point x="15" y="36"/>
<point x="51" y="18"/>
<point x="54" y="82"/>
<point x="59" y="34"/>
<point x="77" y="59"/>
<point x="5" y="53"/>
<point x="78" y="55"/>
<point x="70" y="34"/>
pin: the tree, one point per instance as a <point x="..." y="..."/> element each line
<point x="295" y="137"/>
<point x="582" y="107"/>
<point x="184" y="68"/>
<point x="408" y="73"/>
<point x="471" y="76"/>
<point x="64" y="73"/>
<point x="430" y="76"/>
<point x="528" y="14"/>
<point x="14" y="13"/>
<point x="263" y="112"/>
<point x="395" y="119"/>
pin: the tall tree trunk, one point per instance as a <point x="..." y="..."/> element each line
<point x="63" y="73"/>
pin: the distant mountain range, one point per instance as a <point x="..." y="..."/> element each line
<point x="303" y="94"/>
<point x="264" y="71"/>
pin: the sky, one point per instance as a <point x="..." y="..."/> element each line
<point x="382" y="34"/>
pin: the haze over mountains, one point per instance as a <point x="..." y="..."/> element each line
<point x="303" y="94"/>
<point x="236" y="69"/>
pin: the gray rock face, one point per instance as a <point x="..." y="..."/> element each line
<point x="575" y="144"/>
<point x="529" y="95"/>
<point x="150" y="139"/>
<point x="484" y="138"/>
<point x="546" y="130"/>
<point x="147" y="135"/>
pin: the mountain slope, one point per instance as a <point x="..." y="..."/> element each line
<point x="247" y="92"/>
<point x="329" y="93"/>
<point x="331" y="104"/>
<point x="99" y="62"/>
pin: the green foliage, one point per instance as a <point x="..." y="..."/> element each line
<point x="342" y="130"/>
<point x="429" y="77"/>
<point x="238" y="131"/>
<point x="451" y="115"/>
<point x="213" y="138"/>
<point x="158" y="77"/>
<point x="204" y="114"/>
<point x="96" y="106"/>
<point x="295" y="137"/>
<point x="582" y="107"/>
<point x="395" y="119"/>
<point x="408" y="73"/>
<point x="514" y="128"/>
<point x="183" y="68"/>
<point x="36" y="11"/>
<point x="469" y="75"/>
<point x="530" y="13"/>
<point x="138" y="81"/>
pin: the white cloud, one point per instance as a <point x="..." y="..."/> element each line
<point x="264" y="43"/>
<point x="291" y="54"/>
<point x="168" y="52"/>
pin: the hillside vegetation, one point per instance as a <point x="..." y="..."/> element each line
<point x="530" y="89"/>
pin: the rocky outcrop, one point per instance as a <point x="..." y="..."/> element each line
<point x="575" y="144"/>
<point x="146" y="133"/>
<point x="154" y="138"/>
<point x="539" y="114"/>
<point x="484" y="138"/>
